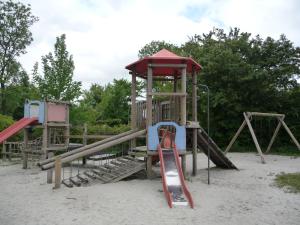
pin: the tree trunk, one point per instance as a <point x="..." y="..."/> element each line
<point x="2" y="110"/>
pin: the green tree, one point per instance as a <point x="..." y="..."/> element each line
<point x="57" y="80"/>
<point x="244" y="73"/>
<point x="155" y="46"/>
<point x="15" y="21"/>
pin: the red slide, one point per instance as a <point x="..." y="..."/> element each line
<point x="174" y="185"/>
<point x="16" y="127"/>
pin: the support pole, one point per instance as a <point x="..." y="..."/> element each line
<point x="290" y="133"/>
<point x="235" y="136"/>
<point x="254" y="138"/>
<point x="149" y="97"/>
<point x="133" y="107"/>
<point x="84" y="141"/>
<point x="25" y="150"/>
<point x="183" y="98"/>
<point x="4" y="151"/>
<point x="57" y="178"/>
<point x="149" y="167"/>
<point x="194" y="117"/>
<point x="183" y="164"/>
<point x="274" y="136"/>
<point x="50" y="171"/>
<point x="149" y="117"/>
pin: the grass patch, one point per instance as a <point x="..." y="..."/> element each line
<point x="291" y="181"/>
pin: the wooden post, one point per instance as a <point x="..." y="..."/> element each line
<point x="133" y="107"/>
<point x="290" y="133"/>
<point x="67" y="128"/>
<point x="183" y="164"/>
<point x="84" y="141"/>
<point x="45" y="131"/>
<point x="176" y="102"/>
<point x="149" y="167"/>
<point x="57" y="179"/>
<point x="50" y="171"/>
<point x="149" y="117"/>
<point x="274" y="136"/>
<point x="4" y="151"/>
<point x="25" y="150"/>
<point x="254" y="138"/>
<point x="235" y="136"/>
<point x="183" y="98"/>
<point x="149" y="97"/>
<point x="195" y="119"/>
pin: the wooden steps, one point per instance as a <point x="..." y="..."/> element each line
<point x="111" y="172"/>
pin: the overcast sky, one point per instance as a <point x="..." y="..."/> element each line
<point x="105" y="35"/>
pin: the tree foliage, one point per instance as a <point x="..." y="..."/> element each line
<point x="15" y="21"/>
<point x="58" y="68"/>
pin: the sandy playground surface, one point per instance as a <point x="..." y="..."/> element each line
<point x="247" y="196"/>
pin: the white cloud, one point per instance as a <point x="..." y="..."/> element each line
<point x="105" y="36"/>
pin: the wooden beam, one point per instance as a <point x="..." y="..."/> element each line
<point x="167" y="94"/>
<point x="265" y="114"/>
<point x="133" y="108"/>
<point x="235" y="137"/>
<point x="168" y="65"/>
<point x="24" y="153"/>
<point x="149" y="97"/>
<point x="195" y="119"/>
<point x="50" y="171"/>
<point x="183" y="98"/>
<point x="290" y="133"/>
<point x="274" y="136"/>
<point x="254" y="138"/>
<point x="149" y="167"/>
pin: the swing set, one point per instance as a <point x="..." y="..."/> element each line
<point x="247" y="121"/>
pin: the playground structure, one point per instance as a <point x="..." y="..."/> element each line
<point x="52" y="117"/>
<point x="171" y="133"/>
<point x="163" y="119"/>
<point x="247" y="121"/>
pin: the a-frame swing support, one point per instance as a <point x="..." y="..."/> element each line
<point x="247" y="121"/>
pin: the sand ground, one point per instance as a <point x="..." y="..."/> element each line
<point x="247" y="196"/>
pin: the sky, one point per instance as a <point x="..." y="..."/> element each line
<point x="105" y="35"/>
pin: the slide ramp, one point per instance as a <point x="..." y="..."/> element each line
<point x="16" y="127"/>
<point x="91" y="149"/>
<point x="174" y="186"/>
<point x="216" y="154"/>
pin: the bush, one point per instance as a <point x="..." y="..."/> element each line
<point x="5" y="121"/>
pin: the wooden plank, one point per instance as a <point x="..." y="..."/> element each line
<point x="235" y="136"/>
<point x="129" y="173"/>
<point x="254" y="138"/>
<point x="75" y="182"/>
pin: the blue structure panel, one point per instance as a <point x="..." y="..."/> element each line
<point x="180" y="137"/>
<point x="35" y="109"/>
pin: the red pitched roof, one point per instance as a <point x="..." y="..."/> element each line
<point x="163" y="57"/>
